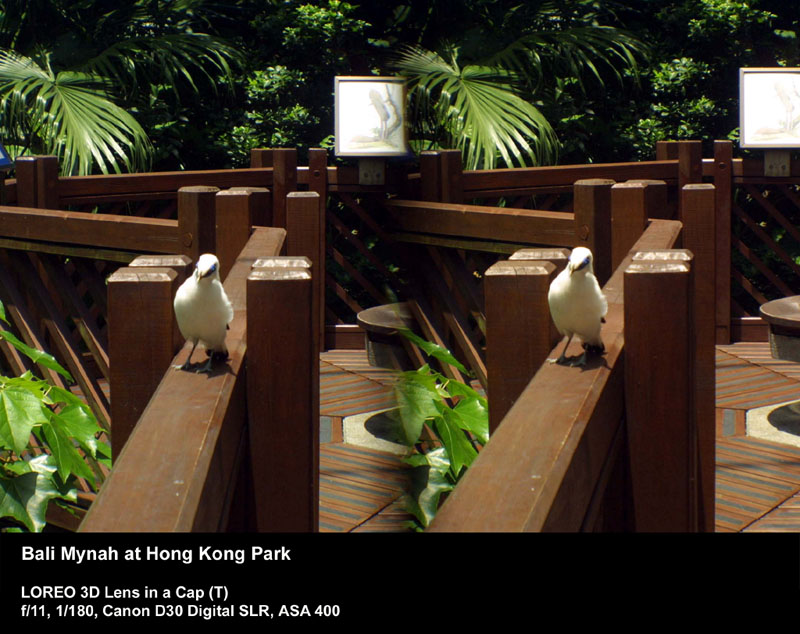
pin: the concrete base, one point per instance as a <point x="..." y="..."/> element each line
<point x="776" y="423"/>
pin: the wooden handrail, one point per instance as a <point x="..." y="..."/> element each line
<point x="485" y="223"/>
<point x="540" y="469"/>
<point x="97" y="230"/>
<point x="177" y="471"/>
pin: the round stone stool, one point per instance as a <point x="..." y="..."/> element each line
<point x="384" y="345"/>
<point x="783" y="317"/>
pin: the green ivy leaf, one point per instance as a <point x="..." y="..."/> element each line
<point x="81" y="425"/>
<point x="66" y="456"/>
<point x="429" y="481"/>
<point x="459" y="448"/>
<point x="434" y="350"/>
<point x="37" y="356"/>
<point x="473" y="416"/>
<point x="416" y="403"/>
<point x="25" y="498"/>
<point x="20" y="411"/>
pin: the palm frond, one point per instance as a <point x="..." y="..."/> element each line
<point x="476" y="110"/>
<point x="174" y="58"/>
<point x="575" y="52"/>
<point x="70" y="116"/>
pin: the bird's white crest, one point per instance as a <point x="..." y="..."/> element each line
<point x="202" y="308"/>
<point x="577" y="304"/>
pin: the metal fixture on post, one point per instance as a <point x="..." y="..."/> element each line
<point x="371" y="123"/>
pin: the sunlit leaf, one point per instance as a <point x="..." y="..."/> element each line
<point x="37" y="356"/>
<point x="20" y="411"/>
<point x="25" y="498"/>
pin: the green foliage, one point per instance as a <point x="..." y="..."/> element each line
<point x="458" y="417"/>
<point x="72" y="74"/>
<point x="61" y="423"/>
<point x="512" y="75"/>
<point x="295" y="49"/>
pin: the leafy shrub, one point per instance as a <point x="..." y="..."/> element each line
<point x="457" y="415"/>
<point x="63" y="426"/>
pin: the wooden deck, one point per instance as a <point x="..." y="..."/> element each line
<point x="360" y="487"/>
<point x="757" y="484"/>
<point x="758" y="481"/>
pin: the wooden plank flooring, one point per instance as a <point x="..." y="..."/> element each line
<point x="757" y="486"/>
<point x="758" y="482"/>
<point x="360" y="488"/>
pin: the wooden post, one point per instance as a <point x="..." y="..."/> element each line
<point x="261" y="157"/>
<point x="592" y="206"/>
<point x="234" y="219"/>
<point x="283" y="398"/>
<point x="451" y="177"/>
<point x="658" y="394"/>
<point x="184" y="267"/>
<point x="305" y="228"/>
<point x="47" y="182"/>
<point x="25" y="167"/>
<point x="197" y="220"/>
<point x="430" y="175"/>
<point x="690" y="168"/>
<point x="698" y="205"/>
<point x="656" y="199"/>
<point x="628" y="218"/>
<point x="666" y="150"/>
<point x="519" y="330"/>
<point x="260" y="205"/>
<point x="723" y="184"/>
<point x="284" y="181"/>
<point x="140" y="342"/>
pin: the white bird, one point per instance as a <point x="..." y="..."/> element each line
<point x="577" y="304"/>
<point x="203" y="310"/>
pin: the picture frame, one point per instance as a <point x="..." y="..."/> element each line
<point x="769" y="108"/>
<point x="370" y="116"/>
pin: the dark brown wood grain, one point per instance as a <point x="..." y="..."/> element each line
<point x="305" y="236"/>
<point x="141" y="342"/>
<point x="283" y="359"/>
<point x="592" y="203"/>
<point x="540" y="468"/>
<point x="519" y="331"/>
<point x="487" y="223"/>
<point x="658" y="392"/>
<point x="698" y="205"/>
<point x="176" y="473"/>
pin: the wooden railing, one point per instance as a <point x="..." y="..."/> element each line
<point x="187" y="463"/>
<point x="561" y="463"/>
<point x="461" y="293"/>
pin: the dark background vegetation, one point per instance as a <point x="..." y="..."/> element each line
<point x="267" y="80"/>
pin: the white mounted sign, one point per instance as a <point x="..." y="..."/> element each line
<point x="370" y="116"/>
<point x="769" y="108"/>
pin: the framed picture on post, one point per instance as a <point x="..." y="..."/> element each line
<point x="370" y="116"/>
<point x="769" y="107"/>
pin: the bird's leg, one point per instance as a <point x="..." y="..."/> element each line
<point x="185" y="366"/>
<point x="207" y="366"/>
<point x="563" y="358"/>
